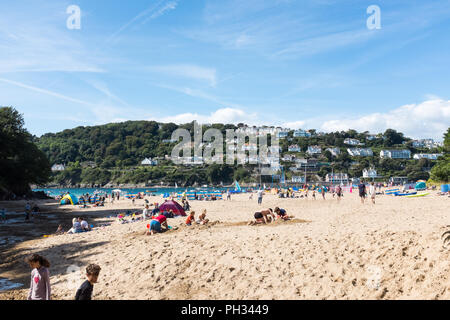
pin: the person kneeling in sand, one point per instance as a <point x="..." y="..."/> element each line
<point x="156" y="224"/>
<point x="263" y="217"/>
<point x="282" y="214"/>
<point x="202" y="218"/>
<point x="190" y="219"/>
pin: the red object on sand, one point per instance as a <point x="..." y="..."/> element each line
<point x="174" y="206"/>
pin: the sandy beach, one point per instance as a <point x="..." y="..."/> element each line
<point x="346" y="250"/>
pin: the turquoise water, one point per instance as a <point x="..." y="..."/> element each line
<point x="158" y="191"/>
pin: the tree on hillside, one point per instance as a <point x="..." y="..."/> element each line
<point x="441" y="171"/>
<point x="392" y="137"/>
<point x="21" y="162"/>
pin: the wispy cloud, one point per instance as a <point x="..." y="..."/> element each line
<point x="154" y="11"/>
<point x="171" y="5"/>
<point x="103" y="88"/>
<point x="47" y="92"/>
<point x="32" y="40"/>
<point x="188" y="71"/>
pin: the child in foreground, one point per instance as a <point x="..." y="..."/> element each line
<point x="40" y="279"/>
<point x="85" y="291"/>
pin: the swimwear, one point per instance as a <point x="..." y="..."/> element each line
<point x="259" y="215"/>
<point x="155" y="225"/>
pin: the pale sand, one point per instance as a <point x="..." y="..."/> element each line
<point x="336" y="255"/>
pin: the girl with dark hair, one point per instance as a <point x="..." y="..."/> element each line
<point x="40" y="278"/>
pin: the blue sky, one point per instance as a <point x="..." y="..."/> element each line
<point x="300" y="64"/>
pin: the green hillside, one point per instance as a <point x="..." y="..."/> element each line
<point x="113" y="153"/>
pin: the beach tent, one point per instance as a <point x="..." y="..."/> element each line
<point x="69" y="199"/>
<point x="237" y="187"/>
<point x="174" y="206"/>
<point x="421" y="186"/>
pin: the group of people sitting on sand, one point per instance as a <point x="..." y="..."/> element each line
<point x="158" y="224"/>
<point x="78" y="225"/>
<point x="268" y="215"/>
<point x="201" y="219"/>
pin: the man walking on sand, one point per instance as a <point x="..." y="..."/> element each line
<point x="362" y="191"/>
<point x="260" y="196"/>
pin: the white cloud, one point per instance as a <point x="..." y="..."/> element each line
<point x="427" y="119"/>
<point x="223" y="115"/>
<point x="188" y="71"/>
<point x="295" y="124"/>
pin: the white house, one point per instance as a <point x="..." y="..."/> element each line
<point x="298" y="179"/>
<point x="58" y="167"/>
<point x="395" y="154"/>
<point x="352" y="142"/>
<point x="337" y="178"/>
<point x="294" y="148"/>
<point x="301" y="134"/>
<point x="371" y="137"/>
<point x="430" y="156"/>
<point x="282" y="134"/>
<point x="369" y="173"/>
<point x="149" y="162"/>
<point x="360" y="152"/>
<point x="314" y="150"/>
<point x="426" y="143"/>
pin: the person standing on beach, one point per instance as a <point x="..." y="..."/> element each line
<point x="362" y="191"/>
<point x="323" y="192"/>
<point x="372" y="192"/>
<point x="27" y="211"/>
<point x="40" y="279"/>
<point x="85" y="291"/>
<point x="145" y="212"/>
<point x="228" y="195"/>
<point x="339" y="192"/>
<point x="260" y="196"/>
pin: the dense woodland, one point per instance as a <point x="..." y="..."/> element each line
<point x="21" y="162"/>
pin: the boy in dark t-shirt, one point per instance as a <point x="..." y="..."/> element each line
<point x="85" y="291"/>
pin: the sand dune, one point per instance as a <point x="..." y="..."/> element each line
<point x="391" y="250"/>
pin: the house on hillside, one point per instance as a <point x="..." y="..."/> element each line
<point x="430" y="156"/>
<point x="312" y="150"/>
<point x="370" y="173"/>
<point x="298" y="179"/>
<point x="360" y="152"/>
<point x="149" y="162"/>
<point x="58" y="167"/>
<point x="294" y="148"/>
<point x="395" y="154"/>
<point x="282" y="134"/>
<point x="301" y="134"/>
<point x="337" y="178"/>
<point x="352" y="142"/>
